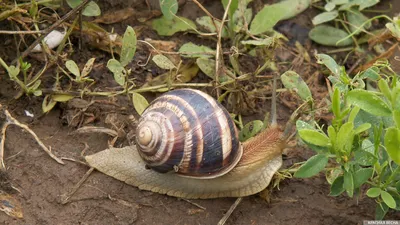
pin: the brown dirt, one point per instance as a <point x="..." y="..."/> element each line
<point x="103" y="200"/>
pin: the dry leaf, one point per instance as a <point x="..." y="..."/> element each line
<point x="10" y="205"/>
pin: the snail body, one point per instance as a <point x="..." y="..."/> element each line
<point x="187" y="146"/>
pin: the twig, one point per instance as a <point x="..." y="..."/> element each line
<point x="93" y="129"/>
<point x="12" y="120"/>
<point x="218" y="55"/>
<point x="22" y="32"/>
<point x="65" y="198"/>
<point x="213" y="19"/>
<point x="273" y="103"/>
<point x="51" y="28"/>
<point x="195" y="204"/>
<point x="74" y="160"/>
<point x="3" y="140"/>
<point x="230" y="211"/>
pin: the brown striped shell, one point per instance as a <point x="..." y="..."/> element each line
<point x="188" y="132"/>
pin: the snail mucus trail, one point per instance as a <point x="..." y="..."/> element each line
<point x="191" y="145"/>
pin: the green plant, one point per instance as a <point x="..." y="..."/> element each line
<point x="361" y="146"/>
<point x="348" y="17"/>
<point x="91" y="9"/>
<point x="121" y="72"/>
<point x="28" y="84"/>
<point x="241" y="31"/>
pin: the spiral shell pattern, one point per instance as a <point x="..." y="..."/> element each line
<point x="188" y="132"/>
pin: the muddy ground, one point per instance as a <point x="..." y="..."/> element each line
<point x="42" y="182"/>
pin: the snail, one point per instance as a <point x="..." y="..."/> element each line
<point x="187" y="146"/>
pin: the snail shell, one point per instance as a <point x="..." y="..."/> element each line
<point x="190" y="133"/>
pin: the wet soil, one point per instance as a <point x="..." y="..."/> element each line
<point x="42" y="183"/>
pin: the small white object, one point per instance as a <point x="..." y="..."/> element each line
<point x="113" y="37"/>
<point x="53" y="39"/>
<point x="27" y="113"/>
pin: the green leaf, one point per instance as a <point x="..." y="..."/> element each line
<point x="314" y="137"/>
<point x="348" y="183"/>
<point x="366" y="3"/>
<point x="61" y="97"/>
<point x="312" y="167"/>
<point x="91" y="9"/>
<point x="232" y="8"/>
<point x="88" y="67"/>
<point x="333" y="174"/>
<point x="373" y="192"/>
<point x="368" y="102"/>
<point x="241" y="19"/>
<point x="339" y="2"/>
<point x="169" y="8"/>
<point x="187" y="72"/>
<point x="353" y="114"/>
<point x="206" y="22"/>
<point x="73" y="68"/>
<point x="35" y="85"/>
<point x="345" y="137"/>
<point x="300" y="125"/>
<point x="267" y="18"/>
<point x="163" y="62"/>
<point x="396" y="197"/>
<point x="250" y="130"/>
<point x="118" y="70"/>
<point x="74" y="3"/>
<point x="13" y="72"/>
<point x="388" y="199"/>
<point x="392" y="143"/>
<point x="37" y="93"/>
<point x="166" y="27"/>
<point x="337" y="187"/>
<point x="356" y="19"/>
<point x="380" y="211"/>
<point x="365" y="156"/>
<point x="336" y="102"/>
<point x="139" y="102"/>
<point x="371" y="73"/>
<point x="325" y="17"/>
<point x="362" y="128"/>
<point x="207" y="66"/>
<point x="330" y="63"/>
<point x="398" y="186"/>
<point x="48" y="103"/>
<point x="396" y="117"/>
<point x="384" y="87"/>
<point x="33" y="9"/>
<point x="394" y="28"/>
<point x="293" y="81"/>
<point x="329" y="36"/>
<point x="361" y="176"/>
<point x="268" y="41"/>
<point x="270" y="15"/>
<point x="332" y="134"/>
<point x="195" y="51"/>
<point x="128" y="46"/>
<point x="329" y="6"/>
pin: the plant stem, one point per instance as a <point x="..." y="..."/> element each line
<point x="392" y="176"/>
<point x="4" y="64"/>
